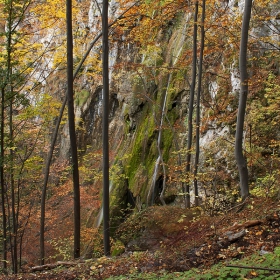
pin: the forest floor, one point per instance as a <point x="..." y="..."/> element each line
<point x="163" y="240"/>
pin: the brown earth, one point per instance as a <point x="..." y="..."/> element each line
<point x="174" y="239"/>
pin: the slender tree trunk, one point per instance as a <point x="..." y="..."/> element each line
<point x="105" y="126"/>
<point x="72" y="132"/>
<point x="49" y="158"/>
<point x="11" y="160"/>
<point x="199" y="82"/>
<point x="240" y="158"/>
<point x="44" y="188"/>
<point x="13" y="201"/>
<point x="9" y="94"/>
<point x="54" y="137"/>
<point x="191" y="101"/>
<point x="23" y="232"/>
<point x="4" y="220"/>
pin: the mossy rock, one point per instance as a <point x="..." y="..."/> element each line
<point x="81" y="97"/>
<point x="118" y="248"/>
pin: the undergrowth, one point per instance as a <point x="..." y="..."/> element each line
<point x="253" y="267"/>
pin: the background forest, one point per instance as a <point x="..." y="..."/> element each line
<point x="166" y="100"/>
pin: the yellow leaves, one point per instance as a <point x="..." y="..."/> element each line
<point x="44" y="109"/>
<point x="263" y="3"/>
<point x="149" y="18"/>
<point x="24" y="52"/>
<point x="221" y="256"/>
<point x="253" y="273"/>
<point x="181" y="220"/>
<point x="60" y="14"/>
<point x="93" y="267"/>
<point x="152" y="55"/>
<point x="59" y="59"/>
<point x="49" y="11"/>
<point x="33" y="164"/>
<point x="239" y="250"/>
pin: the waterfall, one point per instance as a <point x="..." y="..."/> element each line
<point x="159" y="159"/>
<point x="154" y="178"/>
<point x="99" y="217"/>
<point x="163" y="109"/>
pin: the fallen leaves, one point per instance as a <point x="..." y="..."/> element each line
<point x="191" y="244"/>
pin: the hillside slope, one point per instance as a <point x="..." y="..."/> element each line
<point x="165" y="240"/>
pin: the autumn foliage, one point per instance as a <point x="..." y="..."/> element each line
<point x="150" y="77"/>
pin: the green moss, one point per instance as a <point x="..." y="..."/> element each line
<point x="143" y="151"/>
<point x="125" y="112"/>
<point x="140" y="165"/>
<point x="167" y="138"/>
<point x="118" y="248"/>
<point x="117" y="205"/>
<point x="81" y="97"/>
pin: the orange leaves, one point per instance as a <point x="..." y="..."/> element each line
<point x="146" y="20"/>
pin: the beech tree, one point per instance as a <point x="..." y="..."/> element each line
<point x="240" y="158"/>
<point x="12" y="160"/>
<point x="11" y="82"/>
<point x="72" y="132"/>
<point x="105" y="127"/>
<point x="199" y="83"/>
<point x="191" y="102"/>
<point x="3" y="208"/>
<point x="54" y="138"/>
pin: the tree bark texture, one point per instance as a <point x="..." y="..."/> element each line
<point x="105" y="128"/>
<point x="240" y="158"/>
<point x="191" y="102"/>
<point x="4" y="219"/>
<point x="72" y="132"/>
<point x="199" y="82"/>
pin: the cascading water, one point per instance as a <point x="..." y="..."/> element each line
<point x="154" y="178"/>
<point x="99" y="218"/>
<point x="160" y="158"/>
<point x="163" y="113"/>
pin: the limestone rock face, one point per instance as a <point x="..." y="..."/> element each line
<point x="149" y="94"/>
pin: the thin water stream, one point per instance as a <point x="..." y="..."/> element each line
<point x="99" y="218"/>
<point x="159" y="160"/>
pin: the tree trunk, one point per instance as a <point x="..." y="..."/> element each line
<point x="10" y="98"/>
<point x="4" y="221"/>
<point x="72" y="132"/>
<point x="105" y="127"/>
<point x="54" y="136"/>
<point x="13" y="200"/>
<point x="191" y="101"/>
<point x="44" y="188"/>
<point x="11" y="160"/>
<point x="198" y="104"/>
<point x="240" y="158"/>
